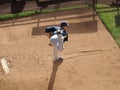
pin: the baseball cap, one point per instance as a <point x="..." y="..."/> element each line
<point x="64" y="23"/>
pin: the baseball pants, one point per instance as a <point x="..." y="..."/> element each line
<point x="57" y="44"/>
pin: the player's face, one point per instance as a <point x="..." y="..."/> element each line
<point x="66" y="28"/>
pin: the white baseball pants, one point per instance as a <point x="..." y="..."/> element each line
<point x="57" y="44"/>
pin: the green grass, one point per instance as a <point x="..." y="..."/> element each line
<point x="111" y="20"/>
<point x="29" y="13"/>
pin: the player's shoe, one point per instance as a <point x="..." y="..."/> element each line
<point x="59" y="59"/>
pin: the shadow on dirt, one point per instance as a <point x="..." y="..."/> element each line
<point x="40" y="18"/>
<point x="53" y="75"/>
<point x="75" y="28"/>
<point x="117" y="20"/>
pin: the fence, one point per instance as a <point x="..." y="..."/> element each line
<point x="16" y="6"/>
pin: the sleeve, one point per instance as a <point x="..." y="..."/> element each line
<point x="65" y="34"/>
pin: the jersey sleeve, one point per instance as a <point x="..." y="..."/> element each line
<point x="65" y="34"/>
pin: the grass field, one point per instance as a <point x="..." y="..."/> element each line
<point x="111" y="19"/>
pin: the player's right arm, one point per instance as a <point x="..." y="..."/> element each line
<point x="48" y="35"/>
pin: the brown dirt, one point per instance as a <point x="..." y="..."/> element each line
<point x="91" y="57"/>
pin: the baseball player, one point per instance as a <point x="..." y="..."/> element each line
<point x="57" y="38"/>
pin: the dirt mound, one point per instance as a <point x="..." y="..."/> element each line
<point x="91" y="57"/>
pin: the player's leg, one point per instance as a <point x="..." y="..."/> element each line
<point x="55" y="52"/>
<point x="56" y="47"/>
<point x="60" y="43"/>
<point x="54" y="42"/>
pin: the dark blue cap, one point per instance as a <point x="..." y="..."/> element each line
<point x="64" y="23"/>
